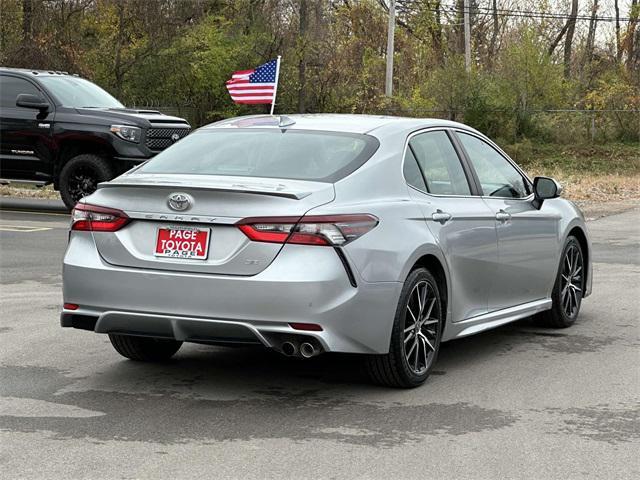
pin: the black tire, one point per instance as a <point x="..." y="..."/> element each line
<point x="144" y="349"/>
<point x="80" y="177"/>
<point x="394" y="369"/>
<point x="560" y="316"/>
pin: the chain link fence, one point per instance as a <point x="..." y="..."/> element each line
<point x="557" y="126"/>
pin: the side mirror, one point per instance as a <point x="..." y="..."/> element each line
<point x="544" y="188"/>
<point x="27" y="100"/>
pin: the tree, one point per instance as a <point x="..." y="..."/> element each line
<point x="528" y="80"/>
<point x="632" y="37"/>
<point x="568" y="41"/>
<point x="591" y="35"/>
<point x="302" y="62"/>
<point x="494" y="33"/>
<point x="27" y="21"/>
<point x="618" y="45"/>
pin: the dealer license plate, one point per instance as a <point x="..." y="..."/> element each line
<point x="183" y="242"/>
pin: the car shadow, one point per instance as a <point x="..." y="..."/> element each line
<point x="254" y="368"/>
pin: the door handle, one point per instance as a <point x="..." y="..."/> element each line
<point x="440" y="216"/>
<point x="503" y="216"/>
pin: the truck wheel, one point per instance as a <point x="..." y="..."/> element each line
<point x="144" y="349"/>
<point x="80" y="177"/>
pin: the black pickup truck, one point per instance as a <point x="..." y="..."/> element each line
<point x="62" y="129"/>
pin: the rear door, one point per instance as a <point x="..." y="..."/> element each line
<point x="462" y="223"/>
<point x="25" y="133"/>
<point x="527" y="237"/>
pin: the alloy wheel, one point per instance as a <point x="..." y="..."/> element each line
<point x="82" y="182"/>
<point x="571" y="281"/>
<point x="421" y="327"/>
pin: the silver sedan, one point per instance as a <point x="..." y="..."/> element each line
<point x="324" y="233"/>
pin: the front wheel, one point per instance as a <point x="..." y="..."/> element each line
<point x="568" y="288"/>
<point x="416" y="334"/>
<point x="144" y="349"/>
<point x="81" y="175"/>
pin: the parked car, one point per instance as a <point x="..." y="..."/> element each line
<point x="62" y="129"/>
<point x="324" y="233"/>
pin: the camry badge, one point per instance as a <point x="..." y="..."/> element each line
<point x="179" y="201"/>
<point x="175" y="137"/>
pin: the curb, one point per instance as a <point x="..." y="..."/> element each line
<point x="32" y="205"/>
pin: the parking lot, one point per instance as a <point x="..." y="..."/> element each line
<point x="517" y="402"/>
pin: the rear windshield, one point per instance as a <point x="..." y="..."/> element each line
<point x="294" y="154"/>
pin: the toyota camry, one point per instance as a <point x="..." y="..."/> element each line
<point x="306" y="234"/>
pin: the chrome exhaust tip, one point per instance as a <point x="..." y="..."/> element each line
<point x="307" y="350"/>
<point x="289" y="349"/>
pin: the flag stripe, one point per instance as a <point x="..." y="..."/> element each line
<point x="253" y="97"/>
<point x="253" y="102"/>
<point x="251" y="91"/>
<point x="247" y="86"/>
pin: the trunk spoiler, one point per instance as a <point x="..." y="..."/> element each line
<point x="234" y="188"/>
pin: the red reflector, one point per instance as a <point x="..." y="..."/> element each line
<point x="312" y="327"/>
<point x="70" y="306"/>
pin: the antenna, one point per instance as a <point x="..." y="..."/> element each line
<point x="285" y="121"/>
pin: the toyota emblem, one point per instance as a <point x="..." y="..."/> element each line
<point x="175" y="137"/>
<point x="179" y="201"/>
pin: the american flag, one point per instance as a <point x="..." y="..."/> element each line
<point x="255" y="86"/>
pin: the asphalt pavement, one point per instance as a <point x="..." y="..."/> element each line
<point x="33" y="205"/>
<point x="517" y="402"/>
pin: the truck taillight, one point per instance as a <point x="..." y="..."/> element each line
<point x="324" y="230"/>
<point x="97" y="219"/>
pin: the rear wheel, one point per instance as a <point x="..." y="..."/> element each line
<point x="415" y="338"/>
<point x="568" y="289"/>
<point x="144" y="349"/>
<point x="80" y="177"/>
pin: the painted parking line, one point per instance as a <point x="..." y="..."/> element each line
<point x="19" y="228"/>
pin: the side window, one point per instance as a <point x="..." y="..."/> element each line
<point x="440" y="164"/>
<point x="412" y="173"/>
<point x="498" y="178"/>
<point x="11" y="87"/>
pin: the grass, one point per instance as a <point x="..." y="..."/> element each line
<point x="28" y="191"/>
<point x="587" y="172"/>
<point x="601" y="173"/>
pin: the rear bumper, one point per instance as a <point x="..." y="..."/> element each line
<point x="303" y="284"/>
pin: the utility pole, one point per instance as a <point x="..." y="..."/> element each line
<point x="388" y="86"/>
<point x="467" y="37"/>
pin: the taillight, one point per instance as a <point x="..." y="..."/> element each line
<point x="98" y="219"/>
<point x="326" y="230"/>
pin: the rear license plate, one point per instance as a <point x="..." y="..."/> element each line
<point x="183" y="242"/>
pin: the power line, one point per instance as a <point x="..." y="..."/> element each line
<point x="503" y="12"/>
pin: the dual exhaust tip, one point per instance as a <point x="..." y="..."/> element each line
<point x="305" y="349"/>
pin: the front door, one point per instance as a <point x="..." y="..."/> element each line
<point x="461" y="223"/>
<point x="25" y="133"/>
<point x="528" y="238"/>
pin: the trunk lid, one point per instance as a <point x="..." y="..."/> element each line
<point x="217" y="203"/>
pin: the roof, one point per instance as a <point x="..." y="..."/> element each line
<point x="32" y="72"/>
<point x="331" y="122"/>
